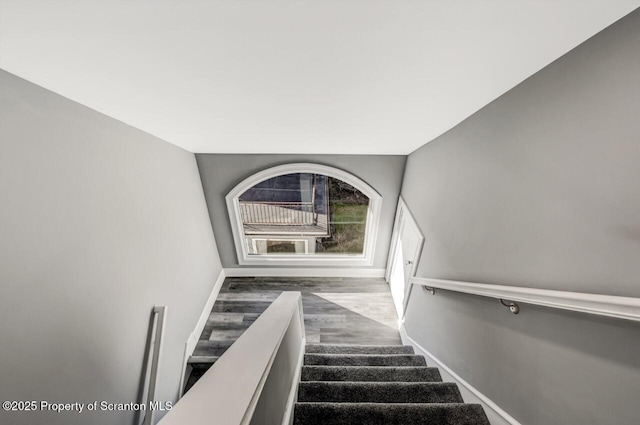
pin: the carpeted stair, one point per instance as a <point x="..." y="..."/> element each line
<point x="377" y="385"/>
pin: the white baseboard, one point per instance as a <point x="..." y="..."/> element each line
<point x="496" y="415"/>
<point x="287" y="419"/>
<point x="206" y="311"/>
<point x="302" y="272"/>
<point x="190" y="345"/>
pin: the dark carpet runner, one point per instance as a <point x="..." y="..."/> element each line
<point x="377" y="385"/>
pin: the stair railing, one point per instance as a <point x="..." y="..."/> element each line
<point x="627" y="308"/>
<point x="155" y="351"/>
<point x="255" y="380"/>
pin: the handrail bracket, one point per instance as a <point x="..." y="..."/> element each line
<point x="429" y="289"/>
<point x="513" y="307"/>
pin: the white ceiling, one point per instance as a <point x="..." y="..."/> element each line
<point x="323" y="76"/>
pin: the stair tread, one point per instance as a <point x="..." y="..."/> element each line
<point x="364" y="359"/>
<point x="380" y="392"/>
<point x="363" y="354"/>
<point x="357" y="349"/>
<point x="389" y="414"/>
<point x="400" y="406"/>
<point x="371" y="373"/>
<point x="202" y="359"/>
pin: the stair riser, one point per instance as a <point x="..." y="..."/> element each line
<point x="374" y="392"/>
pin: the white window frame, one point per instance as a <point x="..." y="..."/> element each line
<point x="371" y="228"/>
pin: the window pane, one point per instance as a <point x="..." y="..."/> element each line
<point x="305" y="214"/>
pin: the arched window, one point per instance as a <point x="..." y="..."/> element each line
<point x="304" y="214"/>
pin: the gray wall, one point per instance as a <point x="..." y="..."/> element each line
<point x="539" y="189"/>
<point x="100" y="222"/>
<point x="221" y="173"/>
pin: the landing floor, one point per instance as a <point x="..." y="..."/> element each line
<point x="336" y="311"/>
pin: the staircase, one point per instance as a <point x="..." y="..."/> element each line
<point x="377" y="385"/>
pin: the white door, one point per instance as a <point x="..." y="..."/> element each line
<point x="408" y="240"/>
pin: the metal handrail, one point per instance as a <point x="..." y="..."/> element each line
<point x="627" y="308"/>
<point x="159" y="319"/>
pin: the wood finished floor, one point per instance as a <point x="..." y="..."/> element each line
<point x="336" y="311"/>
